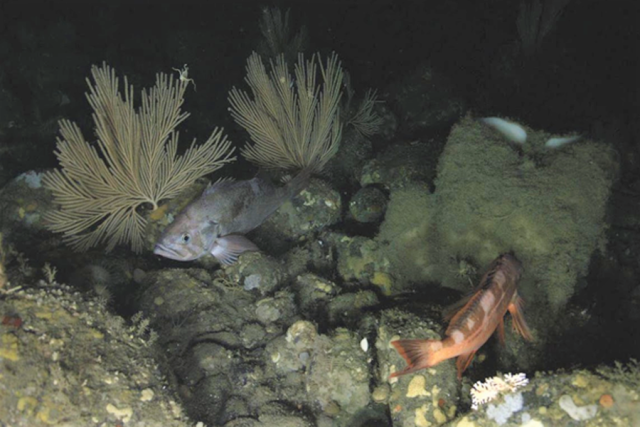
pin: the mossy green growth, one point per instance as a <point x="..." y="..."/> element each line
<point x="547" y="205"/>
<point x="406" y="234"/>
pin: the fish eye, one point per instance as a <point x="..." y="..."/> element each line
<point x="186" y="238"/>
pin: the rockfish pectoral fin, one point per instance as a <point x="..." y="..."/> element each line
<point x="227" y="249"/>
<point x="463" y="362"/>
<point x="500" y="331"/>
<point x="517" y="314"/>
<point x="417" y="354"/>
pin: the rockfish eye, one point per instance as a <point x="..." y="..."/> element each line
<point x="186" y="238"/>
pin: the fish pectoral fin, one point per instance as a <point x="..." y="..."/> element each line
<point x="517" y="314"/>
<point x="463" y="362"/>
<point x="227" y="249"/>
<point x="415" y="352"/>
<point x="500" y="331"/>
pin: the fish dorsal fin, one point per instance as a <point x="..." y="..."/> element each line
<point x="451" y="310"/>
<point x="286" y="178"/>
<point x="458" y="319"/>
<point x="299" y="181"/>
<point x="219" y="183"/>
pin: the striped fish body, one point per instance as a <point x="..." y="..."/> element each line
<point x="474" y="320"/>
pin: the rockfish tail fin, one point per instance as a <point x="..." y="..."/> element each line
<point x="299" y="182"/>
<point x="417" y="353"/>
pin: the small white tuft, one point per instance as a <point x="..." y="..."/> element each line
<point x="510" y="130"/>
<point x="364" y="345"/>
<point x="578" y="413"/>
<point x="33" y="179"/>
<point x="483" y="392"/>
<point x="557" y="142"/>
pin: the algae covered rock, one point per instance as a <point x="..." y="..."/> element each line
<point x="257" y="271"/>
<point x="347" y="308"/>
<point x="401" y="165"/>
<point x="66" y="361"/>
<point x="368" y="204"/>
<point x="331" y="369"/>
<point x="314" y="293"/>
<point x="361" y="259"/>
<point x="406" y="236"/>
<point x="345" y="167"/>
<point x="543" y="201"/>
<point x="339" y="374"/>
<point x="213" y="331"/>
<point x="316" y="207"/>
<point x="606" y="397"/>
<point x="546" y="204"/>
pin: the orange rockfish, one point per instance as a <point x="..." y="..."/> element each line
<point x="481" y="314"/>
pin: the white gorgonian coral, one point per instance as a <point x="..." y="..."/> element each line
<point x="483" y="392"/>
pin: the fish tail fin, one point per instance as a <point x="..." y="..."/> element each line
<point x="299" y="182"/>
<point x="517" y="314"/>
<point x="417" y="353"/>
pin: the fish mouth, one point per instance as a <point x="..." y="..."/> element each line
<point x="167" y="252"/>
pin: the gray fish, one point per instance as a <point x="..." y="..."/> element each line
<point x="215" y="222"/>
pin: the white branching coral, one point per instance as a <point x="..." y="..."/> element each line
<point x="483" y="392"/>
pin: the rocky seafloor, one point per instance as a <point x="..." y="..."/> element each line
<point x="206" y="347"/>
